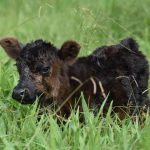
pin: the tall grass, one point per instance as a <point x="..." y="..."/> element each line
<point x="92" y="23"/>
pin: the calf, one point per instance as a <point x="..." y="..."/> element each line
<point x="120" y="71"/>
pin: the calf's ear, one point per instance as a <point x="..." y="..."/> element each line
<point x="69" y="51"/>
<point x="11" y="46"/>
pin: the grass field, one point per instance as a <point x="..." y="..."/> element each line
<point x="92" y="23"/>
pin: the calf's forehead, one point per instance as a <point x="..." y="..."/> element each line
<point x="38" y="51"/>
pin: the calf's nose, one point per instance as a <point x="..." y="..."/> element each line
<point x="19" y="94"/>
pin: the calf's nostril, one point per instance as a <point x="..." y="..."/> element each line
<point x="22" y="92"/>
<point x="18" y="94"/>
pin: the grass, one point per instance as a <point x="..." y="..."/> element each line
<point x="92" y="23"/>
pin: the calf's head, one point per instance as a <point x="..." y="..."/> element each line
<point x="39" y="65"/>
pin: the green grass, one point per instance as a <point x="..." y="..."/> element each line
<point x="92" y="23"/>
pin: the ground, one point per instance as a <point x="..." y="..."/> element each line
<point x="92" y="23"/>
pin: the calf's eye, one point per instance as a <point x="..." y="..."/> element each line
<point x="45" y="70"/>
